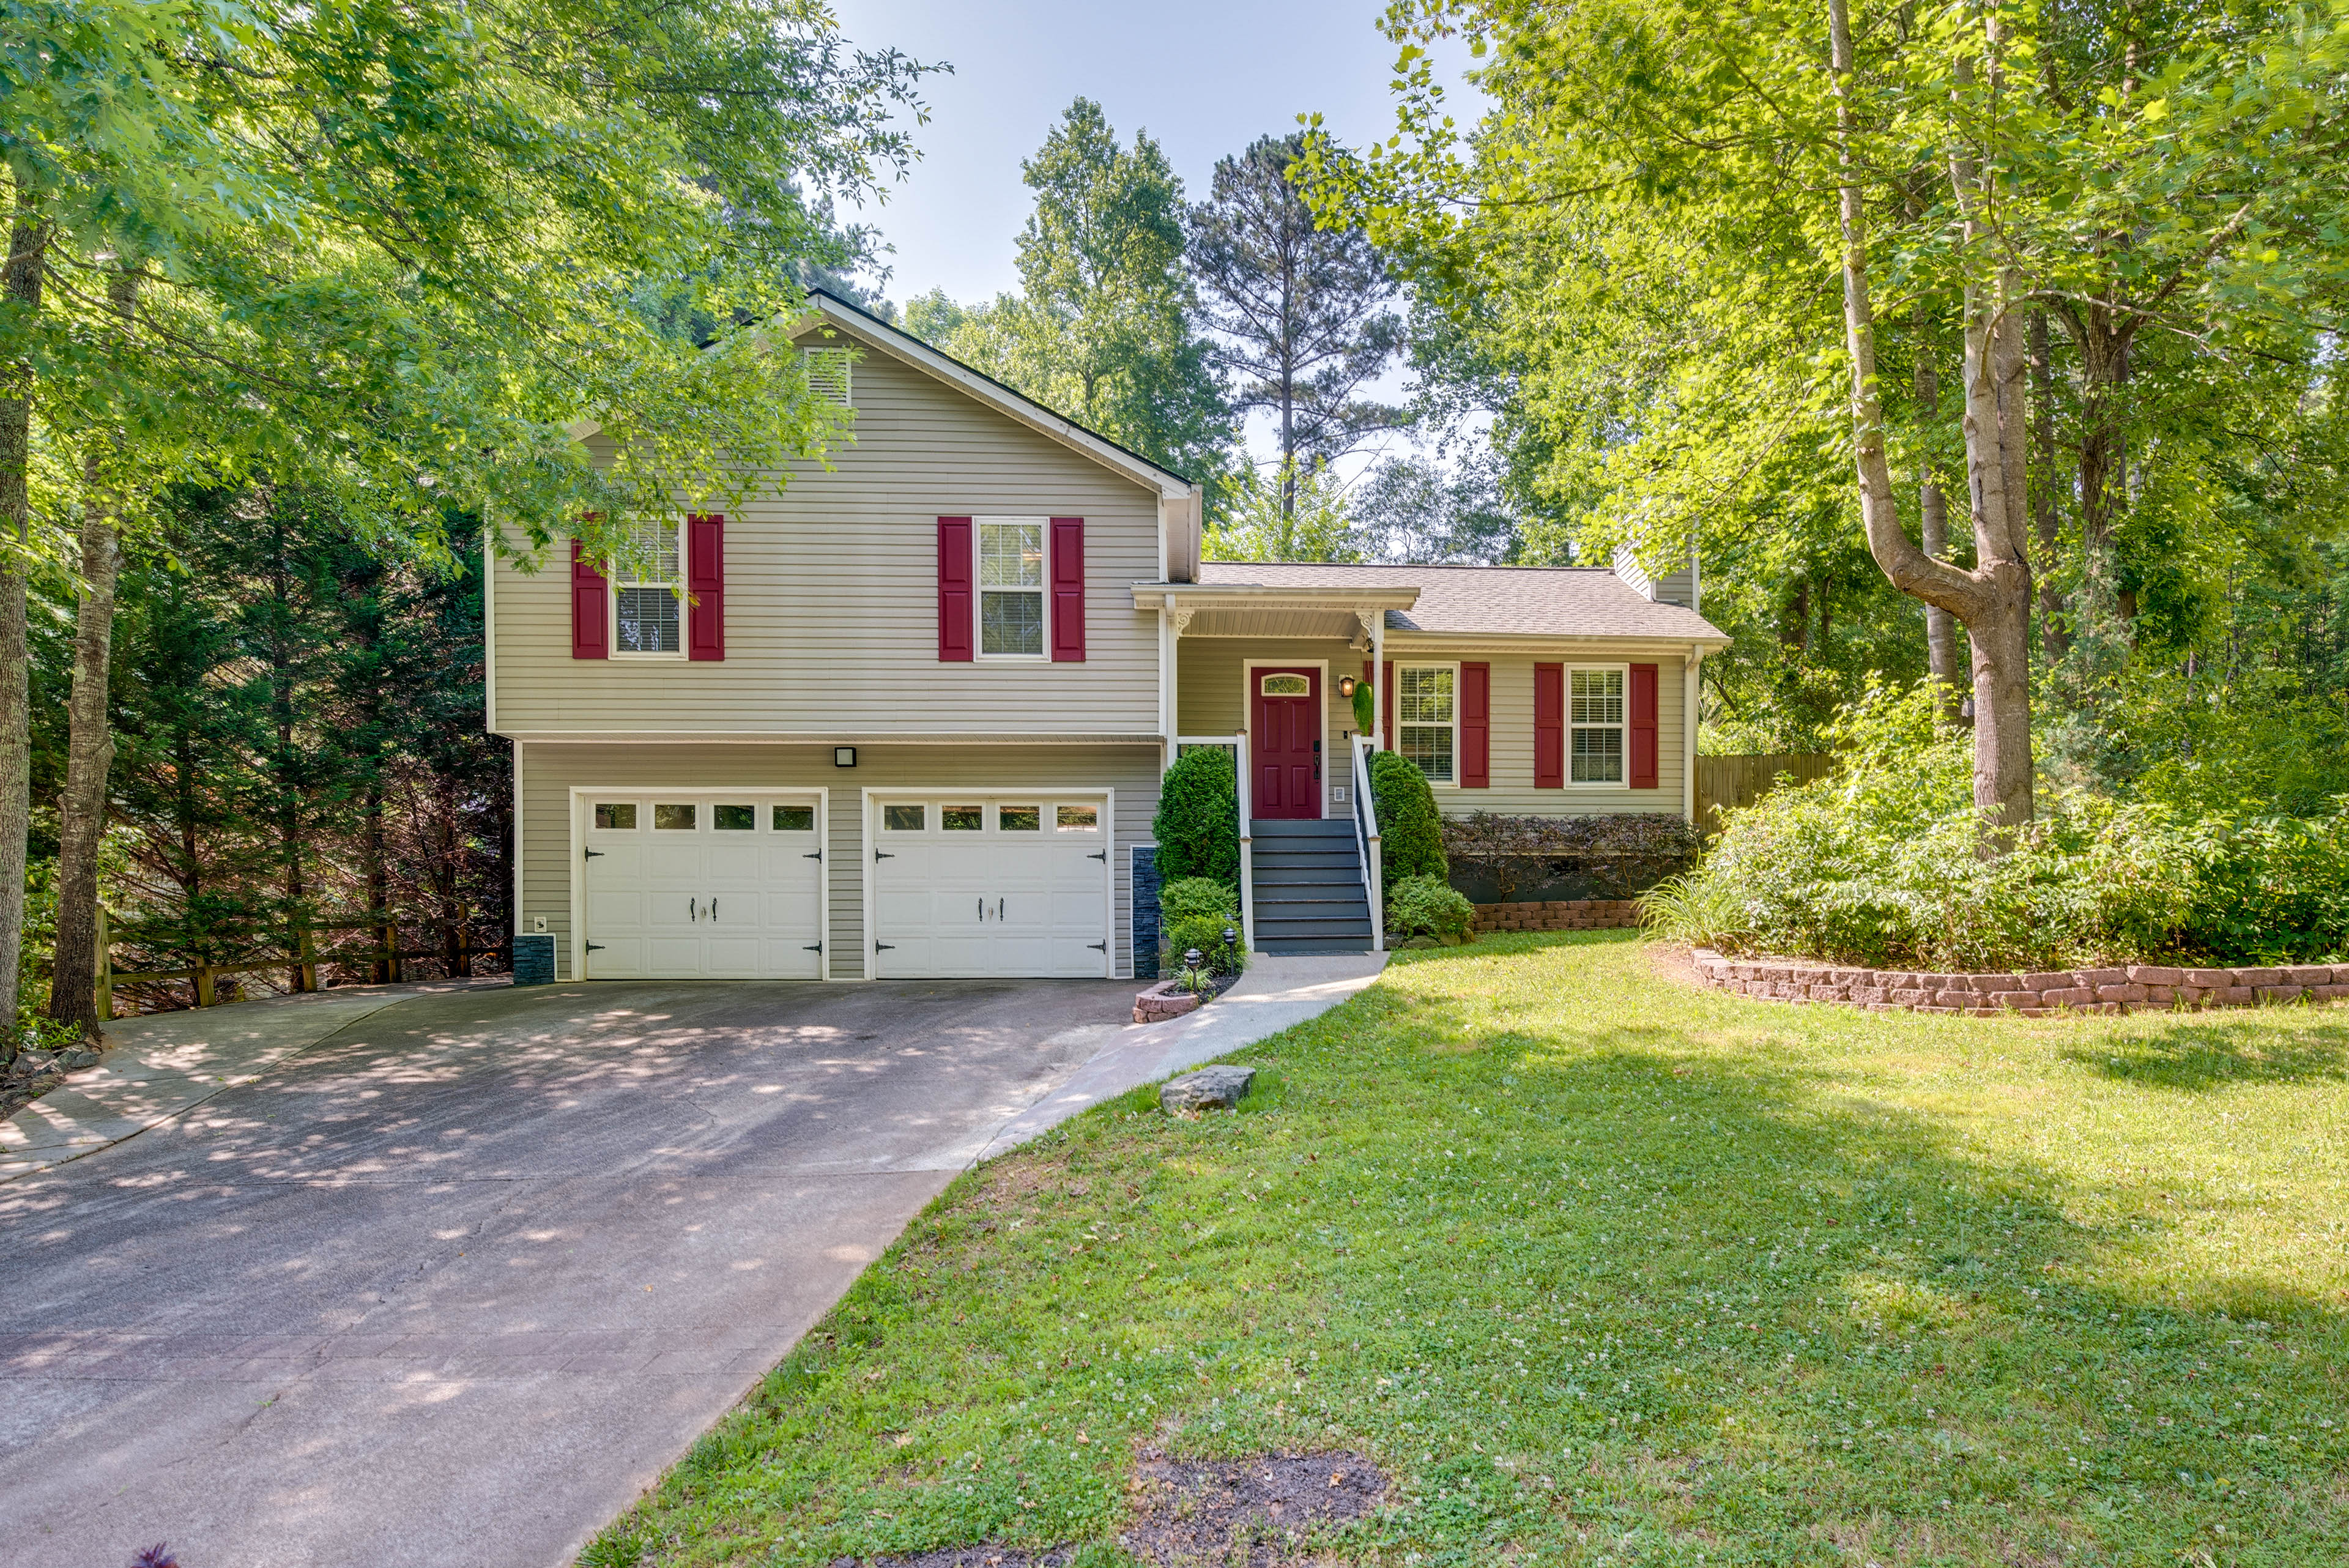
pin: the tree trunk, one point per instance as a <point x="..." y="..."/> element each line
<point x="1933" y="512"/>
<point x="2044" y="517"/>
<point x="89" y="747"/>
<point x="20" y="296"/>
<point x="1992" y="601"/>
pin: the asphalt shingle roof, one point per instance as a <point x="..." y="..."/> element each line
<point x="1514" y="601"/>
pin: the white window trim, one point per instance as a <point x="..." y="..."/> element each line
<point x="1566" y="763"/>
<point x="684" y="608"/>
<point x="1452" y="665"/>
<point x="979" y="590"/>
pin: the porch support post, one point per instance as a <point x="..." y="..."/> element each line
<point x="1166" y="686"/>
<point x="1377" y="674"/>
<point x="1688" y="734"/>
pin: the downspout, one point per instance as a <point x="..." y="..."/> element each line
<point x="1688" y="734"/>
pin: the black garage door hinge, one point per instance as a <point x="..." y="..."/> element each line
<point x="885" y="947"/>
<point x="812" y="855"/>
<point x="592" y="854"/>
<point x="815" y="947"/>
<point x="882" y="855"/>
<point x="595" y="946"/>
<point x="1097" y="855"/>
<point x="1098" y="946"/>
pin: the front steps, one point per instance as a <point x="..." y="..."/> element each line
<point x="1307" y="887"/>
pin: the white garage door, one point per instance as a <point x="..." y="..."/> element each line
<point x="682" y="886"/>
<point x="979" y="885"/>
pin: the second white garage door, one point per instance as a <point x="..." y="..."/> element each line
<point x="973" y="886"/>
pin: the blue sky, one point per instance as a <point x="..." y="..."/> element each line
<point x="1204" y="78"/>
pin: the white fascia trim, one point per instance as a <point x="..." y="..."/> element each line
<point x="1590" y="648"/>
<point x="1176" y="595"/>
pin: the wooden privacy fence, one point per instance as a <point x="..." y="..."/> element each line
<point x="1725" y="783"/>
<point x="458" y="946"/>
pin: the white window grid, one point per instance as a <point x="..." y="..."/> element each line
<point x="647" y="592"/>
<point x="1427" y="718"/>
<point x="1597" y="723"/>
<point x="1014" y="566"/>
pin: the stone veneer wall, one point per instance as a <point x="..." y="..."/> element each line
<point x="2136" y="989"/>
<point x="1560" y="915"/>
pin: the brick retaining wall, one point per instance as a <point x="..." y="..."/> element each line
<point x="1560" y="915"/>
<point x="2137" y="987"/>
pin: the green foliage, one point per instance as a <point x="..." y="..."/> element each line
<point x="1410" y="830"/>
<point x="1296" y="515"/>
<point x="1198" y="822"/>
<point x="1426" y="906"/>
<point x="1206" y="935"/>
<point x="1102" y="328"/>
<point x="1987" y="1256"/>
<point x="1881" y="865"/>
<point x="1366" y="708"/>
<point x="1704" y="911"/>
<point x="1198" y="898"/>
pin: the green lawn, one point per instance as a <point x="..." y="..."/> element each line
<point x="1605" y="1270"/>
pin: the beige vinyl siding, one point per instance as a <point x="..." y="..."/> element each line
<point x="831" y="596"/>
<point x="1209" y="696"/>
<point x="550" y="770"/>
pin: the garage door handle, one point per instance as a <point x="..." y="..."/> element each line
<point x="693" y="909"/>
<point x="982" y="909"/>
<point x="999" y="909"/>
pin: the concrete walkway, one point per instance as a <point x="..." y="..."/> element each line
<point x="165" y="1065"/>
<point x="1276" y="993"/>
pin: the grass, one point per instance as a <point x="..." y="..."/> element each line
<point x="1608" y="1271"/>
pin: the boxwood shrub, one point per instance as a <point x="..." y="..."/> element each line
<point x="1411" y="829"/>
<point x="1198" y="822"/>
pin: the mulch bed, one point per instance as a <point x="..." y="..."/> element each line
<point x="1255" y="1512"/>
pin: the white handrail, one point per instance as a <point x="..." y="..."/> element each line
<point x="1366" y="838"/>
<point x="1248" y="851"/>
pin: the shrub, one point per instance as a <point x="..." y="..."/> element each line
<point x="1366" y="708"/>
<point x="1881" y="864"/>
<point x="1410" y="830"/>
<point x="1198" y="822"/>
<point x="1197" y="898"/>
<point x="1428" y="906"/>
<point x="1207" y="936"/>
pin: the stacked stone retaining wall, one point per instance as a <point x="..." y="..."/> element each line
<point x="2136" y="988"/>
<point x="1560" y="915"/>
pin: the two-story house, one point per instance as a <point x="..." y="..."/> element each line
<point x="905" y="717"/>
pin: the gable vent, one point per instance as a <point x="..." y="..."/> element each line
<point x="827" y="374"/>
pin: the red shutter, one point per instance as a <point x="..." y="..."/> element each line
<point x="1643" y="726"/>
<point x="1068" y="590"/>
<point x="591" y="608"/>
<point x="1476" y="726"/>
<point x="1386" y="706"/>
<point x="1549" y="726"/>
<point x="954" y="591"/>
<point x="705" y="580"/>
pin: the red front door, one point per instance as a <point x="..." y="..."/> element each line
<point x="1286" y="737"/>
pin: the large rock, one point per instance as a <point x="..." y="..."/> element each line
<point x="1209" y="1088"/>
<point x="75" y="1058"/>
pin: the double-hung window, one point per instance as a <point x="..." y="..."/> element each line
<point x="1427" y="717"/>
<point x="1011" y="587"/>
<point x="647" y="597"/>
<point x="1595" y="718"/>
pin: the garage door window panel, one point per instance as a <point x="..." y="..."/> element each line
<point x="616" y="817"/>
<point x="962" y="818"/>
<point x="1019" y="819"/>
<point x="900" y="818"/>
<point x="794" y="819"/>
<point x="734" y="818"/>
<point x="675" y="816"/>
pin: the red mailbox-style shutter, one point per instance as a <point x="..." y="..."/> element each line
<point x="954" y="591"/>
<point x="591" y="608"/>
<point x="1476" y="726"/>
<point x="1068" y="590"/>
<point x="1549" y="726"/>
<point x="705" y="580"/>
<point x="1643" y="726"/>
<point x="1386" y="706"/>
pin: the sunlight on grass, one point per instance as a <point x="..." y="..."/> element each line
<point x="1608" y="1271"/>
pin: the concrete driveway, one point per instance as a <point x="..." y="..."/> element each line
<point x="452" y="1286"/>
